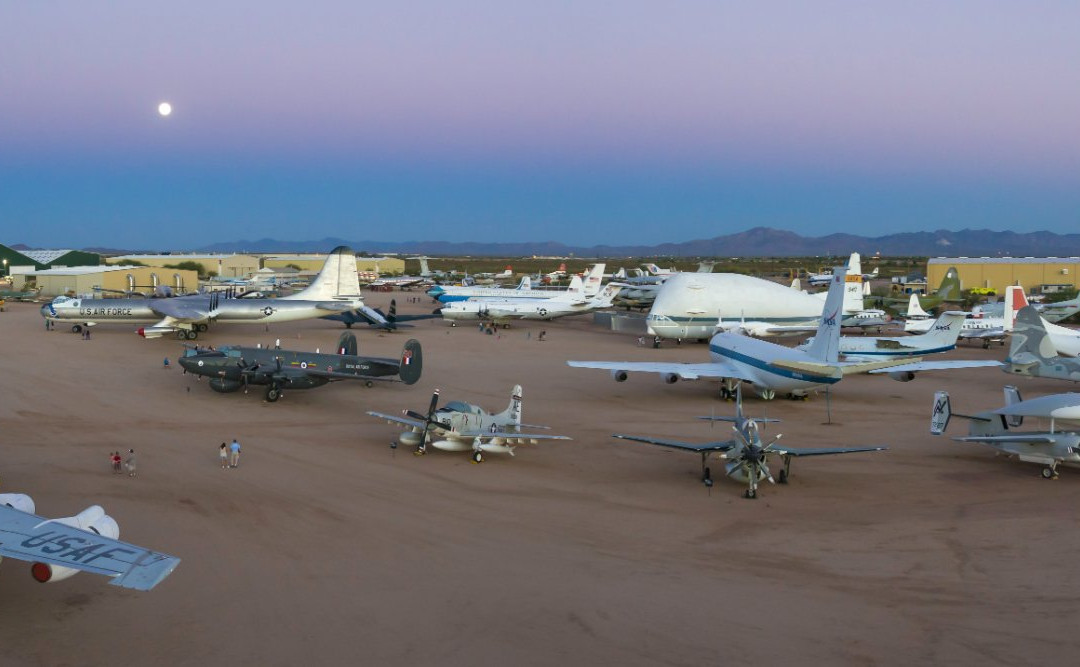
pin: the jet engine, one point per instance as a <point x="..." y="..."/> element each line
<point x="19" y="501"/>
<point x="93" y="519"/>
<point x="902" y="376"/>
<point x="618" y="376"/>
<point x="224" y="386"/>
<point x="671" y="378"/>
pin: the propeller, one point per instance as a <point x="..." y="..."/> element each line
<point x="428" y="420"/>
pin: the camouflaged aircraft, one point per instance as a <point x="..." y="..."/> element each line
<point x="234" y="367"/>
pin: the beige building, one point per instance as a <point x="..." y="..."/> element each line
<point x="1034" y="274"/>
<point x="108" y="281"/>
<point x="314" y="262"/>
<point x="225" y="266"/>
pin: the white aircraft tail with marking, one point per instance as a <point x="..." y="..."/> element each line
<point x="512" y="413"/>
<point x="939" y="418"/>
<point x="943" y="333"/>
<point x="914" y="308"/>
<point x="826" y="345"/>
<point x="338" y="279"/>
<point x="592" y="279"/>
<point x="1015" y="299"/>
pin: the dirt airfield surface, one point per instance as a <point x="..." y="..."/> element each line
<point x="326" y="546"/>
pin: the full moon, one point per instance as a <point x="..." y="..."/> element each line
<point x="164" y="109"/>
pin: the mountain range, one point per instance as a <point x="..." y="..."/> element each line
<point x="756" y="242"/>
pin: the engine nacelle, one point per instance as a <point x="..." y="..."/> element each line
<point x="19" y="501"/>
<point x="618" y="376"/>
<point x="902" y="376"/>
<point x="93" y="519"/>
<point x="224" y="386"/>
<point x="671" y="378"/>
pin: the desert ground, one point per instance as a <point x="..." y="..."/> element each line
<point x="327" y="546"/>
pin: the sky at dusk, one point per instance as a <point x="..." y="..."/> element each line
<point x="584" y="122"/>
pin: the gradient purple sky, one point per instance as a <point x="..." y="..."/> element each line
<point x="583" y="122"/>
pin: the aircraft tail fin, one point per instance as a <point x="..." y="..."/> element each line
<point x="1030" y="345"/>
<point x="607" y="296"/>
<point x="914" y="308"/>
<point x="854" y="265"/>
<point x="525" y="284"/>
<point x="853" y="291"/>
<point x="796" y="284"/>
<point x="705" y="267"/>
<point x="826" y="345"/>
<point x="391" y="317"/>
<point x="944" y="331"/>
<point x="949" y="290"/>
<point x="1012" y="397"/>
<point x="942" y="412"/>
<point x="338" y="279"/>
<point x="512" y="413"/>
<point x="593" y="278"/>
<point x="1015" y="299"/>
<point x="412" y="362"/>
<point x="425" y="271"/>
<point x="347" y="344"/>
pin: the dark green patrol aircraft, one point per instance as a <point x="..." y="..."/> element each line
<point x="235" y="367"/>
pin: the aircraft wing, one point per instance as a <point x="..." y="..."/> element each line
<point x="942" y="365"/>
<point x="722" y="446"/>
<point x="822" y="451"/>
<point x="33" y="538"/>
<point x="181" y="310"/>
<point x="1020" y="438"/>
<point x="397" y="419"/>
<point x="510" y="435"/>
<point x="337" y="375"/>
<point x="715" y="369"/>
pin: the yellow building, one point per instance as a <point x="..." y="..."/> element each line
<point x="225" y="266"/>
<point x="112" y="281"/>
<point x="1034" y="274"/>
<point x="314" y="262"/>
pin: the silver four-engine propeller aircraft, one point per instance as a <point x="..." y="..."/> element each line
<point x="463" y="427"/>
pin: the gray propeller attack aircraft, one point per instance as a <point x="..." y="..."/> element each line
<point x="86" y="542"/>
<point x="234" y="367"/>
<point x="746" y="455"/>
<point x="335" y="290"/>
<point x="992" y="427"/>
<point x="463" y="427"/>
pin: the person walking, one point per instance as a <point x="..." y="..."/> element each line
<point x="234" y="452"/>
<point x="114" y="457"/>
<point x="130" y="463"/>
<point x="223" y="456"/>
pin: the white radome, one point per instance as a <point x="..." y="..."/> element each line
<point x="164" y="109"/>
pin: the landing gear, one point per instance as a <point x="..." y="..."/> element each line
<point x="782" y="477"/>
<point x="202" y="328"/>
<point x="768" y="394"/>
<point x="477" y="457"/>
<point x="750" y="494"/>
<point x="798" y="397"/>
<point x="191" y="334"/>
<point x="1050" y="472"/>
<point x="420" y="450"/>
<point x="273" y="393"/>
<point x="76" y="328"/>
<point x="706" y="474"/>
<point x="786" y="471"/>
<point x="369" y="383"/>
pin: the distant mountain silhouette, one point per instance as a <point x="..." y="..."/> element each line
<point x="756" y="242"/>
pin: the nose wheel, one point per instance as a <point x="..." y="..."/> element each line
<point x="273" y="393"/>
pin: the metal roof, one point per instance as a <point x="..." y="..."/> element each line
<point x="84" y="270"/>
<point x="181" y="257"/>
<point x="44" y="256"/>
<point x="1004" y="260"/>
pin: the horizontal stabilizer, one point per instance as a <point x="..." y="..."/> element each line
<point x="810" y="368"/>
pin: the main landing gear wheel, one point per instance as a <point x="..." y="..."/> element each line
<point x="191" y="334"/>
<point x="202" y="327"/>
<point x="1049" y="473"/>
<point x="750" y="494"/>
<point x="782" y="477"/>
<point x="76" y="328"/>
<point x="369" y="384"/>
<point x="272" y="394"/>
<point x="477" y="457"/>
